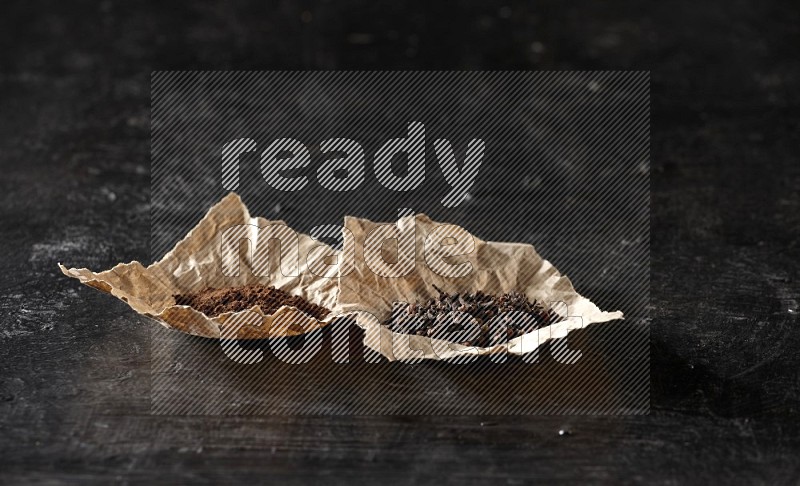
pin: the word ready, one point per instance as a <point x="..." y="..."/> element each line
<point x="344" y="167"/>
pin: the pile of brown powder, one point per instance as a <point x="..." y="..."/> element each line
<point x="213" y="302"/>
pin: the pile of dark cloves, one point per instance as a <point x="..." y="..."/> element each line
<point x="471" y="319"/>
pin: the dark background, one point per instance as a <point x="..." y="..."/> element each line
<point x="74" y="149"/>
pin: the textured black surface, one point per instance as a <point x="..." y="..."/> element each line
<point x="74" y="403"/>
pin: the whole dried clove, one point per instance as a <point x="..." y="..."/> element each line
<point x="447" y="313"/>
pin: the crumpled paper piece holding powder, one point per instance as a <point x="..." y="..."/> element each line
<point x="196" y="263"/>
<point x="494" y="268"/>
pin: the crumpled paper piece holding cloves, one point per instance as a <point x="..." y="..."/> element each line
<point x="371" y="288"/>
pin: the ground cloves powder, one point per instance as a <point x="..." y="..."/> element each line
<point x="213" y="302"/>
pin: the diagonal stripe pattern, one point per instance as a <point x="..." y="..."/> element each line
<point x="556" y="159"/>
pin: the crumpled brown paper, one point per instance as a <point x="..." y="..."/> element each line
<point x="196" y="263"/>
<point x="496" y="268"/>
